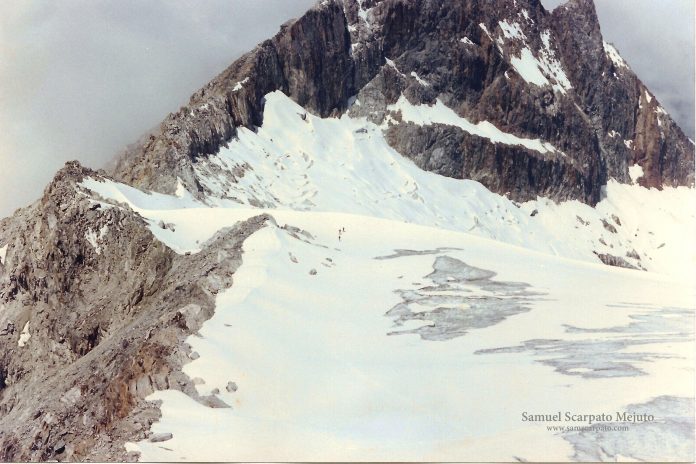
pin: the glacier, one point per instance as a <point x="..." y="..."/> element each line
<point x="324" y="373"/>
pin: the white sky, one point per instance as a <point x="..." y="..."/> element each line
<point x="80" y="79"/>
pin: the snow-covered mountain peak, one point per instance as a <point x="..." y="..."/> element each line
<point x="389" y="231"/>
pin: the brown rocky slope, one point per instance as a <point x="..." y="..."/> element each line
<point x="106" y="313"/>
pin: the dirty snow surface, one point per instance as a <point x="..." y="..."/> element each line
<point x="387" y="313"/>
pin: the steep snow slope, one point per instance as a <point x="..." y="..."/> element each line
<point x="297" y="161"/>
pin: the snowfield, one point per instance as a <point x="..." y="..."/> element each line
<point x="300" y="162"/>
<point x="319" y="376"/>
<point x="440" y="315"/>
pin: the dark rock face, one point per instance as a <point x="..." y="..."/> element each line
<point x="505" y="169"/>
<point x="592" y="107"/>
<point x="617" y="102"/>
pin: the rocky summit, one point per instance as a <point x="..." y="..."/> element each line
<point x="330" y="189"/>
<point x="508" y="66"/>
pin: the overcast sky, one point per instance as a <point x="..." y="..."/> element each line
<point x="80" y="79"/>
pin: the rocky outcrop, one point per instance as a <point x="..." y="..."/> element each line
<point x="95" y="311"/>
<point x="631" y="125"/>
<point x="531" y="73"/>
<point x="616" y="261"/>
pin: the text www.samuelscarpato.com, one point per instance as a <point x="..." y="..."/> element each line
<point x="587" y="428"/>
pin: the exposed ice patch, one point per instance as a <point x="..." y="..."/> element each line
<point x="3" y="253"/>
<point x="670" y="434"/>
<point x="612" y="134"/>
<point x="629" y="144"/>
<point x="460" y="298"/>
<point x="466" y="40"/>
<point x="618" y="351"/>
<point x="400" y="253"/>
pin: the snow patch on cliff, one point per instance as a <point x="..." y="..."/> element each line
<point x="240" y="84"/>
<point x="512" y="30"/>
<point x="485" y="30"/>
<point x="94" y="237"/>
<point x="614" y="55"/>
<point x="635" y="172"/>
<point x="528" y="67"/>
<point x="24" y="336"/>
<point x="550" y="64"/>
<point x="418" y="79"/>
<point x="439" y="113"/>
<point x="538" y="71"/>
